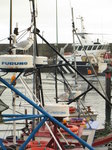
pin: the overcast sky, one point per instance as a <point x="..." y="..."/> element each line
<point x="96" y="14"/>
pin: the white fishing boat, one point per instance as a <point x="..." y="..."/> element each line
<point x="85" y="53"/>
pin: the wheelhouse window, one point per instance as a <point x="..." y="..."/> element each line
<point x="89" y="47"/>
<point x="100" y="46"/>
<point x="79" y="48"/>
<point x="94" y="47"/>
<point x="85" y="47"/>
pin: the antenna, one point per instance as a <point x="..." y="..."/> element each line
<point x="56" y="23"/>
<point x="10" y="22"/>
<point x="73" y="30"/>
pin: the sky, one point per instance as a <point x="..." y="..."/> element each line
<point x="96" y="15"/>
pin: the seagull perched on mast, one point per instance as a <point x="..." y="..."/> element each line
<point x="23" y="45"/>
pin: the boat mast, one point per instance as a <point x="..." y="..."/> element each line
<point x="37" y="83"/>
<point x="74" y="51"/>
<point x="34" y="58"/>
<point x="10" y="43"/>
<point x="13" y="94"/>
<point x="56" y="88"/>
<point x="56" y="23"/>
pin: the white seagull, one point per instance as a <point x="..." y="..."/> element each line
<point x="23" y="45"/>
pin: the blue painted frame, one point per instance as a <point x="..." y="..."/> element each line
<point x="44" y="113"/>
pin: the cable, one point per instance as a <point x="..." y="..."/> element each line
<point x="91" y="66"/>
<point x="4" y="74"/>
<point x="3" y="39"/>
<point x="103" y="96"/>
<point x="83" y="48"/>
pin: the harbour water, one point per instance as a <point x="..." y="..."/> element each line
<point x="92" y="99"/>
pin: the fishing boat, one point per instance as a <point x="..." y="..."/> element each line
<point x="83" y="67"/>
<point x="85" y="53"/>
<point x="48" y="117"/>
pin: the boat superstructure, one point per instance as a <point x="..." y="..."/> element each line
<point x="87" y="46"/>
<point x="86" y="52"/>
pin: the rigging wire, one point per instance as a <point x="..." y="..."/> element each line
<point x="75" y="32"/>
<point x="92" y="66"/>
<point x="22" y="35"/>
<point x="25" y="31"/>
<point x="4" y="74"/>
<point x="102" y="95"/>
<point x="3" y="39"/>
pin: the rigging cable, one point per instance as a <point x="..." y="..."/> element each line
<point x="89" y="60"/>
<point x="92" y="66"/>
<point x="102" y="95"/>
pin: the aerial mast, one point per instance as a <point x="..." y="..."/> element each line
<point x="35" y="53"/>
<point x="74" y="51"/>
<point x="56" y="88"/>
<point x="13" y="77"/>
<point x="10" y="26"/>
<point x="37" y="89"/>
<point x="56" y="23"/>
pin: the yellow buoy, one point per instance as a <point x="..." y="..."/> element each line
<point x="13" y="80"/>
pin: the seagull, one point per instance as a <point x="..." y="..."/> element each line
<point x="23" y="45"/>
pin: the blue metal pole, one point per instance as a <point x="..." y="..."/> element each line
<point x="19" y="115"/>
<point x="20" y="118"/>
<point x="32" y="134"/>
<point x="46" y="114"/>
<point x="2" y="146"/>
